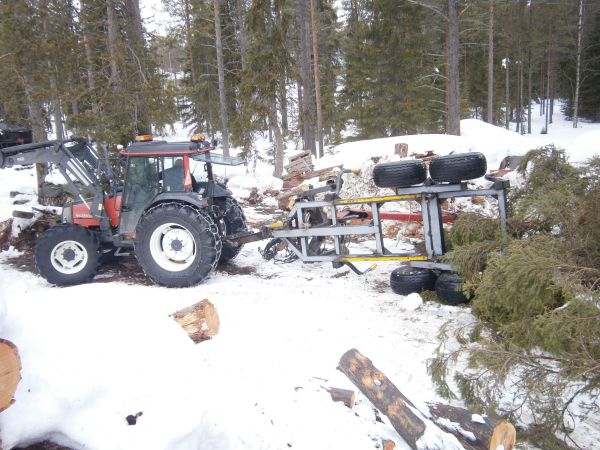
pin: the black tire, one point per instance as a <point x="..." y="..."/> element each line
<point x="406" y="280"/>
<point x="448" y="289"/>
<point x="399" y="173"/>
<point x="457" y="168"/>
<point x="177" y="245"/>
<point x="231" y="221"/>
<point x="67" y="254"/>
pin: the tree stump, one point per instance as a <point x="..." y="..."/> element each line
<point x="200" y="321"/>
<point x="10" y="373"/>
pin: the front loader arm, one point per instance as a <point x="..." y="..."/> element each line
<point x="82" y="169"/>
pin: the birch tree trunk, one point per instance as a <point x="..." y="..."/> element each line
<point x="221" y="74"/>
<point x="490" y="103"/>
<point x="452" y="57"/>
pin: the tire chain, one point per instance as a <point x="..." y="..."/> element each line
<point x="213" y="228"/>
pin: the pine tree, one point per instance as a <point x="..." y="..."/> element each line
<point x="390" y="86"/>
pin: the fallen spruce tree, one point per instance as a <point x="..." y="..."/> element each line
<point x="534" y="352"/>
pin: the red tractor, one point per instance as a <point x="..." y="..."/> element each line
<point x="180" y="229"/>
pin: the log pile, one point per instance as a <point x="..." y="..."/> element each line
<point x="300" y="163"/>
<point x="472" y="431"/>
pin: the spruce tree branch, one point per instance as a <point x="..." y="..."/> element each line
<point x="435" y="9"/>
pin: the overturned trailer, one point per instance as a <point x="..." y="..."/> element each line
<point x="319" y="230"/>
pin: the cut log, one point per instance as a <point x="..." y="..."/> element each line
<point x="504" y="437"/>
<point x="346" y="396"/>
<point x="472" y="431"/>
<point x="286" y="200"/>
<point x="401" y="149"/>
<point x="200" y="321"/>
<point x="10" y="373"/>
<point x="388" y="444"/>
<point x="384" y="395"/>
<point x="5" y="230"/>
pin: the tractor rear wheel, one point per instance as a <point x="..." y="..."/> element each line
<point x="231" y="221"/>
<point x="177" y="245"/>
<point x="67" y="254"/>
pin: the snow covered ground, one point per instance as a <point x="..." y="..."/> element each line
<point x="96" y="353"/>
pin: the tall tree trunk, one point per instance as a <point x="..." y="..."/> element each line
<point x="507" y="87"/>
<point x="529" y="67"/>
<point x="279" y="145"/>
<point x="113" y="45"/>
<point x="490" y="105"/>
<point x="578" y="70"/>
<point x="317" y="69"/>
<point x="221" y="74"/>
<point x="136" y="31"/>
<point x="307" y="110"/>
<point x="37" y="124"/>
<point x="452" y="58"/>
<point x="284" y="104"/>
<point x="240" y="16"/>
<point x="192" y="59"/>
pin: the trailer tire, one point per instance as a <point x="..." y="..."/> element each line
<point x="457" y="168"/>
<point x="177" y="245"/>
<point x="448" y="289"/>
<point x="406" y="280"/>
<point x="67" y="254"/>
<point x="232" y="221"/>
<point x="399" y="173"/>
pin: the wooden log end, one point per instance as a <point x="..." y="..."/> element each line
<point x="346" y="396"/>
<point x="504" y="436"/>
<point x="388" y="444"/>
<point x="200" y="321"/>
<point x="10" y="372"/>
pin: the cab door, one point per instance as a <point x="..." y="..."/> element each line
<point x="142" y="184"/>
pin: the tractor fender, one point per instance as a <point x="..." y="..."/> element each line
<point x="218" y="190"/>
<point x="191" y="198"/>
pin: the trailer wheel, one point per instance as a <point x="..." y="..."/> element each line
<point x="406" y="280"/>
<point x="177" y="245"/>
<point x="457" y="168"/>
<point x="399" y="173"/>
<point x="232" y="221"/>
<point x="448" y="289"/>
<point x="67" y="254"/>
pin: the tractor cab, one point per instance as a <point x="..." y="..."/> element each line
<point x="159" y="171"/>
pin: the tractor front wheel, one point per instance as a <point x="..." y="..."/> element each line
<point x="67" y="254"/>
<point x="177" y="245"/>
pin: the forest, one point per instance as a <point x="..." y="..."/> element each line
<point x="316" y="73"/>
